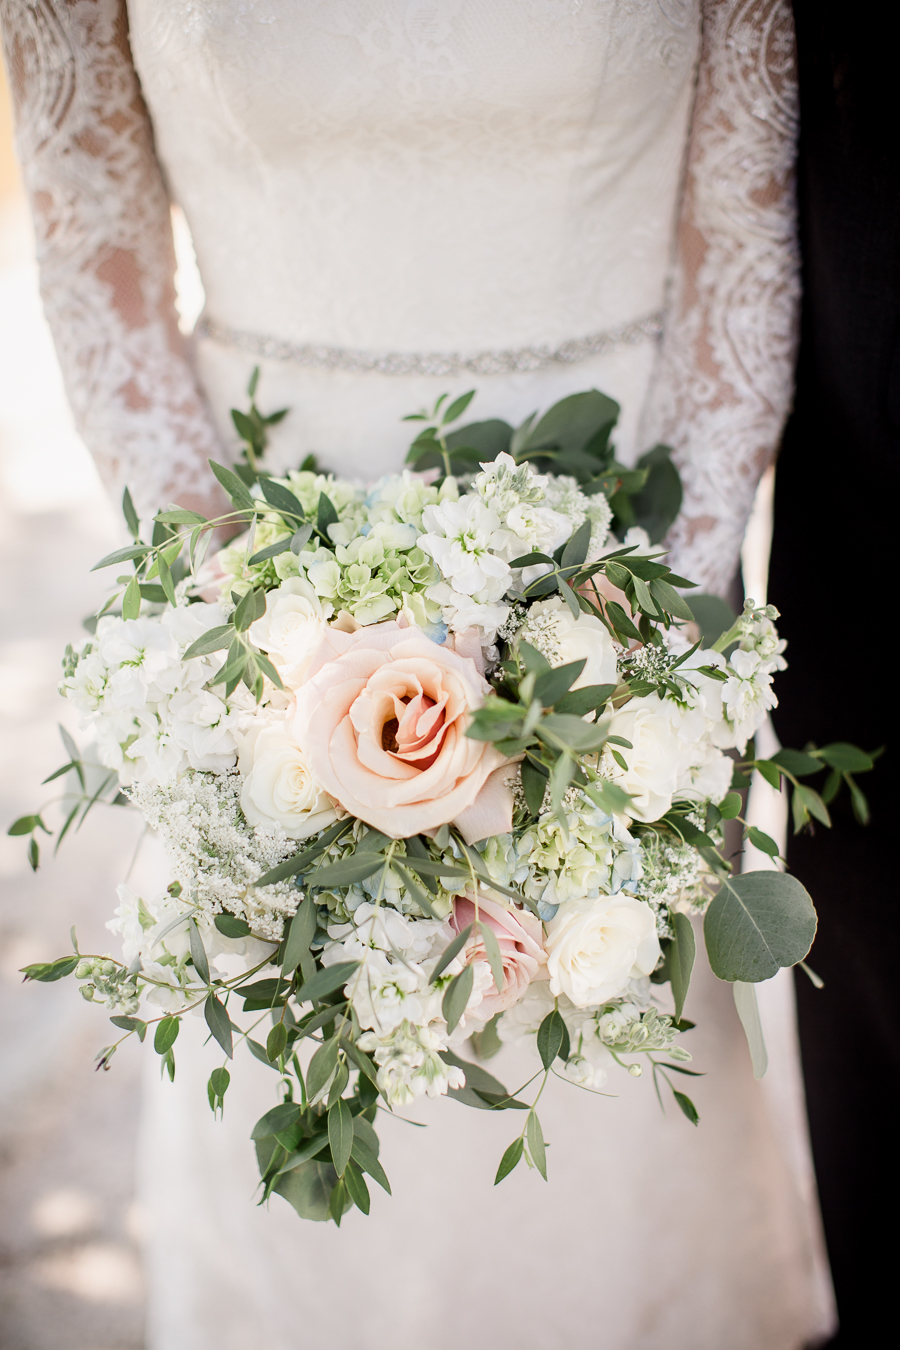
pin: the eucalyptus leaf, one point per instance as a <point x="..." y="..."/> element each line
<point x="456" y="997"/>
<point x="748" y="1012"/>
<point x="536" y="1146"/>
<point x="509" y="1160"/>
<point x="326" y="981"/>
<point x="340" y="1135"/>
<point x="757" y="923"/>
<point x="308" y="1188"/>
<point x="219" y="1022"/>
<point x="681" y="960"/>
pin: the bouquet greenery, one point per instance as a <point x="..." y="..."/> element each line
<point x="445" y="758"/>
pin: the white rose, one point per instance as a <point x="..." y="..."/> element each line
<point x="278" y="787"/>
<point x="291" y="628"/>
<point x="571" y="639"/>
<point x="653" y="760"/>
<point x="594" y="947"/>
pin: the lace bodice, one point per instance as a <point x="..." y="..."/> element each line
<point x="416" y="176"/>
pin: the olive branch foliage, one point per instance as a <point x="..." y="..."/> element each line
<point x="317" y="1146"/>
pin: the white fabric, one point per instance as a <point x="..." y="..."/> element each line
<point x="428" y="175"/>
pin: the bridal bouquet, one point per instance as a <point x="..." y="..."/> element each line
<point x="435" y="760"/>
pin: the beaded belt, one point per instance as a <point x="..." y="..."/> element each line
<point x="493" y="362"/>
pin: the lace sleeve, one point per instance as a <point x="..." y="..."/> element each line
<point x="104" y="247"/>
<point x="724" y="383"/>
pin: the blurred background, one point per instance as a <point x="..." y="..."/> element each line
<point x="70" y="1275"/>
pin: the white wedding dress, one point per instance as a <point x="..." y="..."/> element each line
<point x="390" y="199"/>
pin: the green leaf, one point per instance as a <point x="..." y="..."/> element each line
<point x="325" y="982"/>
<point x="590" y="698"/>
<point x="575" y="733"/>
<point x="49" y="971"/>
<point x="687" y="1107"/>
<point x="553" y="1038"/>
<point x="764" y="842"/>
<point x="251" y="607"/>
<point x="301" y="933"/>
<point x="748" y="1012"/>
<point x="492" y="951"/>
<point x="214" y="640"/>
<point x="179" y="515"/>
<point x="273" y="550"/>
<point x="813" y="803"/>
<point x="357" y="867"/>
<point x="845" y="758"/>
<point x="340" y="1134"/>
<point x="536" y="1144"/>
<point x="321" y="1067"/>
<point x="456" y="996"/>
<point x="757" y="923"/>
<point x="217" y="1087"/>
<point x="489" y="439"/>
<point x="309" y="1188"/>
<point x="576" y="549"/>
<point x="666" y="596"/>
<point x="533" y="661"/>
<point x="860" y="805"/>
<point x="357" y="1188"/>
<point x="534" y="785"/>
<point x="135" y="1024"/>
<point x="681" y="960"/>
<point x="131" y="600"/>
<point x="713" y="615"/>
<point x="234" y="487"/>
<point x="292" y="867"/>
<point x="277" y="495"/>
<point x="276" y="1042"/>
<point x="770" y="772"/>
<point x="361" y="1060"/>
<point x="232" y="927"/>
<point x="325" y="515"/>
<point x="198" y="952"/>
<point x="122" y="555"/>
<point x="509" y="1160"/>
<point x="556" y="682"/>
<point x="25" y="824"/>
<point x="363" y="1156"/>
<point x="476" y="1077"/>
<point x="219" y="1022"/>
<point x="457" y="407"/>
<point x="166" y="1035"/>
<point x="131" y="516"/>
<point x="730" y="806"/>
<point x="278" y="1119"/>
<point x="308" y="1149"/>
<point x="452" y="949"/>
<point x="301" y="538"/>
<point x="797" y="762"/>
<point x="656" y="506"/>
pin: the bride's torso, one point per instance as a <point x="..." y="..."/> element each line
<point x="421" y="175"/>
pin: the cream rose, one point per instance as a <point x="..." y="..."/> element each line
<point x="562" y="638"/>
<point x="291" y="628"/>
<point x="653" y="760"/>
<point x="520" y="939"/>
<point x="278" y="787"/>
<point x="594" y="947"/>
<point x="382" y="720"/>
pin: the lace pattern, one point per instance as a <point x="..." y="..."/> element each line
<point x="104" y="246"/>
<point x="725" y="377"/>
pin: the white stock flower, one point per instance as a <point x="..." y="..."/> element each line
<point x="561" y="638"/>
<point x="594" y="947"/>
<point x="653" y="760"/>
<point x="463" y="538"/>
<point x="409" y="1063"/>
<point x="747" y="696"/>
<point x="278" y="788"/>
<point x="202" y="727"/>
<point x="292" y="627"/>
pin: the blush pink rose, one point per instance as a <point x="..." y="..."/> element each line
<point x="382" y="718"/>
<point x="520" y="937"/>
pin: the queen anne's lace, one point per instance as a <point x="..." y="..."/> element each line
<point x="104" y="246"/>
<point x="724" y="382"/>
